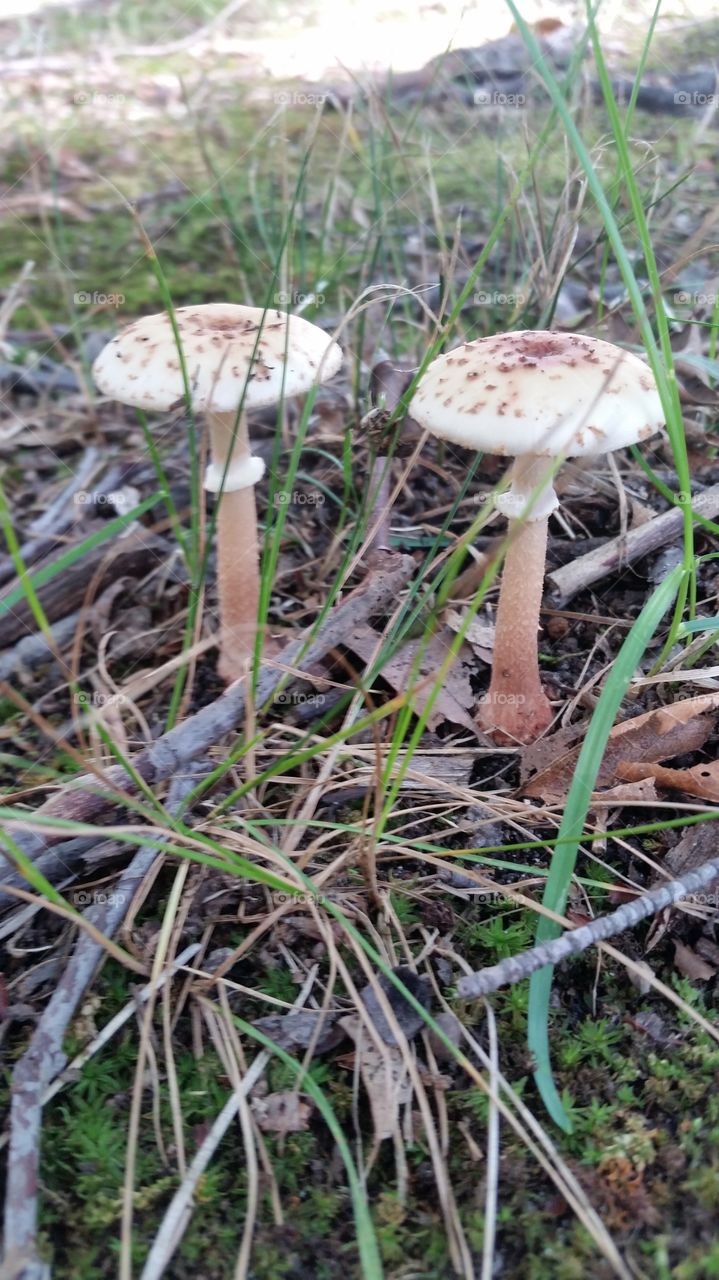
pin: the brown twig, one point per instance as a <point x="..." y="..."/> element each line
<point x="47" y="530"/>
<point x="572" y="578"/>
<point x="515" y="968"/>
<point x="65" y="592"/>
<point x="45" y="1058"/>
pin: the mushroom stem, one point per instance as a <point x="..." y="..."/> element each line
<point x="531" y="491"/>
<point x="238" y="577"/>
<point x="515" y="707"/>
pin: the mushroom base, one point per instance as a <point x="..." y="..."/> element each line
<point x="515" y="708"/>
<point x="514" y="723"/>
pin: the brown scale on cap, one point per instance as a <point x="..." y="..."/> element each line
<point x="230" y="351"/>
<point x="539" y="390"/>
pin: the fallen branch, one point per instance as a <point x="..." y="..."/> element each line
<point x="109" y="1031"/>
<point x="47" y="530"/>
<point x="35" y="650"/>
<point x="45" y="1058"/>
<point x="84" y="800"/>
<point x="65" y="592"/>
<point x="516" y="968"/>
<point x="565" y="583"/>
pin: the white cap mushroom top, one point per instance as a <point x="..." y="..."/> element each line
<point x="224" y="358"/>
<point x="545" y="393"/>
<point x="236" y="358"/>
<point x="533" y="396"/>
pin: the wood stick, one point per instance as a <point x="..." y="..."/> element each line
<point x="47" y="530"/>
<point x="515" y="968"/>
<point x="45" y="1058"/>
<point x="572" y="578"/>
<point x="388" y="383"/>
<point x="35" y="651"/>
<point x="85" y="800"/>
<point x="131" y="555"/>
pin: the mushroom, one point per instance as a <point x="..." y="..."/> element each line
<point x="535" y="397"/>
<point x="236" y="358"/>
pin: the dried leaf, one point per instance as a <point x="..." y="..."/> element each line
<point x="545" y="753"/>
<point x="646" y="739"/>
<point x="479" y="634"/>
<point x="702" y="780"/>
<point x="294" y="1031"/>
<point x="629" y="792"/>
<point x="410" y="1022"/>
<point x="400" y="672"/>
<point x="657" y="930"/>
<point x="384" y="1076"/>
<point x="281" y="1113"/>
<point x="691" y="965"/>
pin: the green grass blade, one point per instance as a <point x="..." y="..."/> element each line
<point x="30" y="582"/>
<point x="578" y="800"/>
<point x="370" y="1261"/>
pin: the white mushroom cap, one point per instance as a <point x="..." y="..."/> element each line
<point x="223" y="356"/>
<point x="545" y="393"/>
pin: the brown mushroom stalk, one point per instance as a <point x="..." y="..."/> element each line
<point x="233" y="474"/>
<point x="515" y="708"/>
<point x="515" y="704"/>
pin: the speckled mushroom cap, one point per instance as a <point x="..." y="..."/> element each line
<point x="543" y="393"/>
<point x="224" y="358"/>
